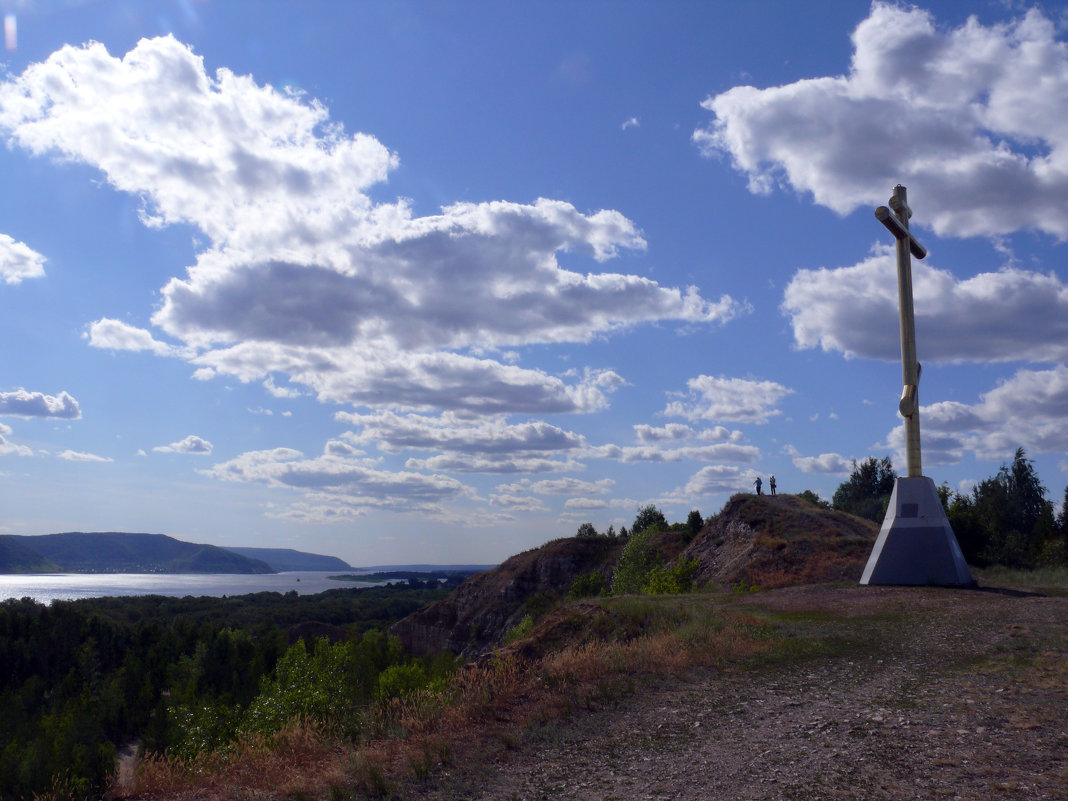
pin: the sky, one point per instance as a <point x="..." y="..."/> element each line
<point x="437" y="282"/>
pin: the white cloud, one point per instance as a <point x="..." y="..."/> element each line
<point x="21" y="403"/>
<point x="631" y="122"/>
<point x="8" y="447"/>
<point x="672" y="431"/>
<point x="467" y="443"/>
<point x="829" y="463"/>
<point x="77" y="456"/>
<point x="714" y="480"/>
<point x="190" y="445"/>
<point x="1029" y="410"/>
<point x="109" y="334"/>
<point x="19" y="261"/>
<point x="333" y="482"/>
<point x="722" y="452"/>
<point x="394" y="433"/>
<point x="585" y="504"/>
<point x="855" y="310"/>
<point x="518" y="503"/>
<point x="559" y="486"/>
<point x="496" y="463"/>
<point x="971" y="119"/>
<point x="738" y="400"/>
<point x="305" y="276"/>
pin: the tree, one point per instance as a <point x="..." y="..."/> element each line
<point x="814" y="499"/>
<point x="1007" y="520"/>
<point x="586" y="530"/>
<point x="694" y="523"/>
<point x="867" y="492"/>
<point x="648" y="516"/>
<point x="639" y="558"/>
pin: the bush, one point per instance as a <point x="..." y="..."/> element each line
<point x="398" y="681"/>
<point x="637" y="561"/>
<point x="671" y="580"/>
<point x="586" y="586"/>
<point x="519" y="630"/>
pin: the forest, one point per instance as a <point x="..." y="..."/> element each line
<point x="81" y="679"/>
<point x="1005" y="520"/>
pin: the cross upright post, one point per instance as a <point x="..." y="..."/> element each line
<point x="916" y="544"/>
<point x="897" y="221"/>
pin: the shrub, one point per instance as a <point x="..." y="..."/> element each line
<point x="671" y="580"/>
<point x="586" y="586"/>
<point x="519" y="630"/>
<point x="637" y="561"/>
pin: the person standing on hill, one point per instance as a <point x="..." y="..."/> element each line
<point x="771" y="484"/>
<point x="758" y="483"/>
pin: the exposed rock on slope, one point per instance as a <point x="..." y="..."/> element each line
<point x="776" y="541"/>
<point x="475" y="618"/>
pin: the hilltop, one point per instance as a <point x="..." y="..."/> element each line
<point x="755" y="541"/>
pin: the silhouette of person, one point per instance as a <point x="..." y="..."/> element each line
<point x="771" y="484"/>
<point x="758" y="484"/>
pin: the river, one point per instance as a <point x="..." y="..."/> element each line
<point x="48" y="587"/>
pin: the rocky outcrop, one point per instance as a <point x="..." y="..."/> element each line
<point x="475" y="618"/>
<point x="776" y="541"/>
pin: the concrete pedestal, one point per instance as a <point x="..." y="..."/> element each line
<point x="916" y="544"/>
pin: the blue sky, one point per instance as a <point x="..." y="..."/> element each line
<point x="439" y="281"/>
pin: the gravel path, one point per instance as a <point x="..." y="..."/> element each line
<point x="918" y="693"/>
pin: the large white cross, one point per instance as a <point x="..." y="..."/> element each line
<point x="897" y="221"/>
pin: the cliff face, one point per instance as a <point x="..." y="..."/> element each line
<point x="777" y="541"/>
<point x="475" y="618"/>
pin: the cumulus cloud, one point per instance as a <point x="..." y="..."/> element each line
<point x="714" y="480"/>
<point x="1028" y="410"/>
<point x="394" y="433"/>
<point x="18" y="261"/>
<point x="110" y="334"/>
<point x="467" y="443"/>
<point x="190" y="445"/>
<point x="826" y="463"/>
<point x="970" y="118"/>
<point x="304" y="275"/>
<point x="78" y="456"/>
<point x="737" y="400"/>
<point x="7" y="447"/>
<point x="21" y="403"/>
<point x="339" y="483"/>
<point x="559" y="486"/>
<point x="854" y="310"/>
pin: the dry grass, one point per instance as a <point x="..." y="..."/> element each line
<point x="490" y="705"/>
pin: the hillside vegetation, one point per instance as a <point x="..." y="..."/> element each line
<point x="115" y="552"/>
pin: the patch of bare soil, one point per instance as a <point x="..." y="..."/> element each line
<point x="891" y="693"/>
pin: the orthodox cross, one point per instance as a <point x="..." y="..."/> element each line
<point x="896" y="219"/>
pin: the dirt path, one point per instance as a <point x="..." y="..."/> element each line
<point x="915" y="693"/>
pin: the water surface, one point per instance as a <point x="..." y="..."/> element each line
<point x="48" y="587"/>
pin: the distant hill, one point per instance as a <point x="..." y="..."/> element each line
<point x="115" y="552"/>
<point x="17" y="557"/>
<point x="286" y="559"/>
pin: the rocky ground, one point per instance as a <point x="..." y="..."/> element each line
<point x="893" y="693"/>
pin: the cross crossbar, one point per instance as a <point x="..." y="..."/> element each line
<point x="893" y="224"/>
